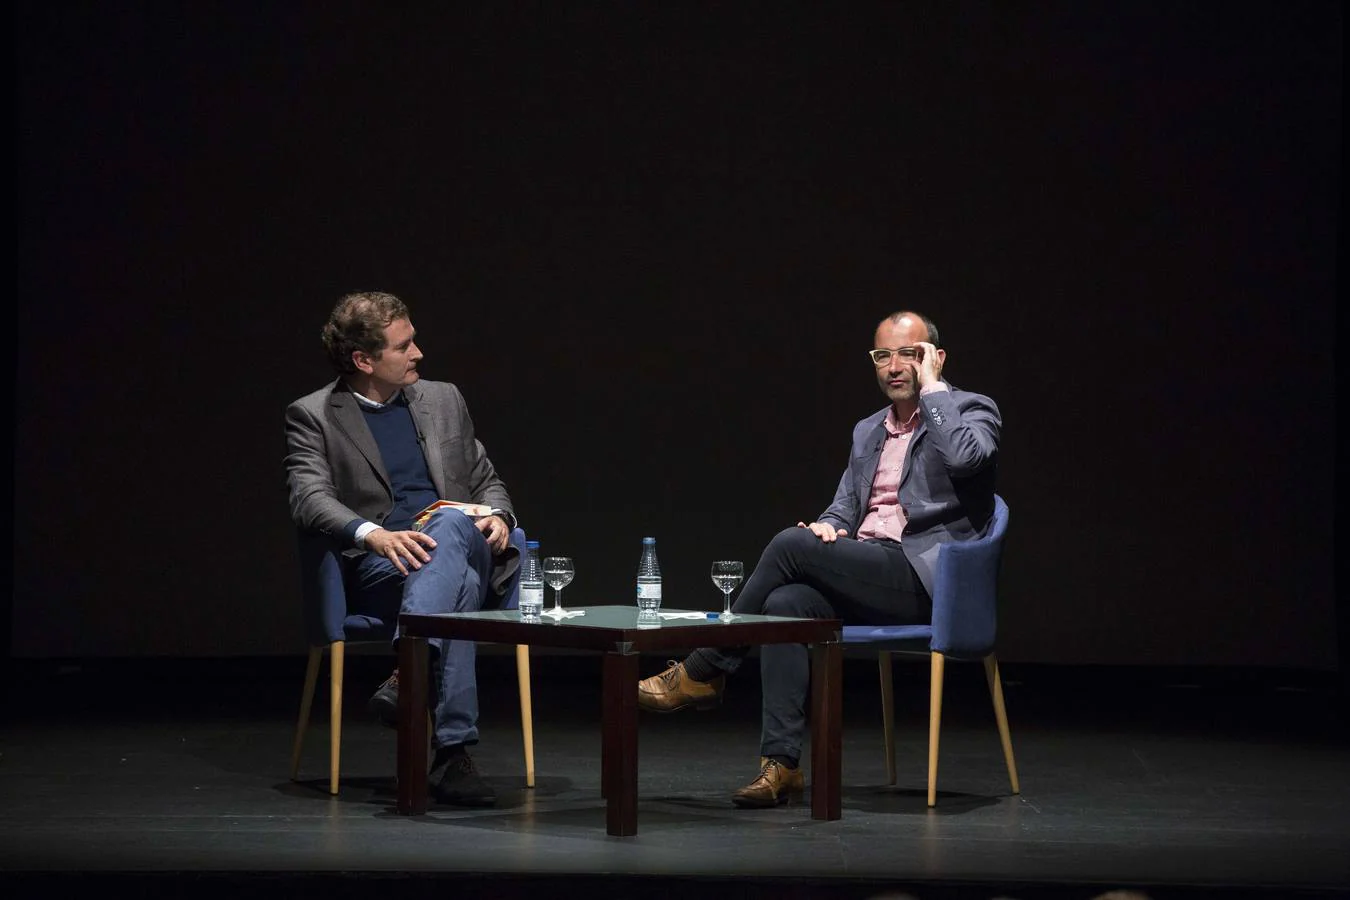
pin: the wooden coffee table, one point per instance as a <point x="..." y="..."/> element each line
<point x="614" y="631"/>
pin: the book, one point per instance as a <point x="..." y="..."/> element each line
<point x="473" y="510"/>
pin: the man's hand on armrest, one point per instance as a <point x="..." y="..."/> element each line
<point x="496" y="531"/>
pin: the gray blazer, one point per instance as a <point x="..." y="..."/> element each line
<point x="948" y="480"/>
<point x="335" y="474"/>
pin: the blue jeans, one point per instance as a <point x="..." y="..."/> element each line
<point x="455" y="580"/>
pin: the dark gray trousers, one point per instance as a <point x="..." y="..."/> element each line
<point x="860" y="582"/>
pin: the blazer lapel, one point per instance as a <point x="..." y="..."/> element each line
<point x="919" y="431"/>
<point x="350" y="421"/>
<point x="428" y="436"/>
<point x="868" y="457"/>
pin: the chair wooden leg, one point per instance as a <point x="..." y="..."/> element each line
<point x="526" y="711"/>
<point x="887" y="713"/>
<point x="335" y="712"/>
<point x="306" y="703"/>
<point x="1001" y="714"/>
<point x="934" y="723"/>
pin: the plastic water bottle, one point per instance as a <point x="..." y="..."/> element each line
<point x="648" y="579"/>
<point x="531" y="584"/>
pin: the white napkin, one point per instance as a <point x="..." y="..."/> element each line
<point x="684" y="615"/>
<point x="564" y="613"/>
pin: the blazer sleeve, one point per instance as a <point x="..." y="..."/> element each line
<point x="314" y="502"/>
<point x="485" y="485"/>
<point x="846" y="509"/>
<point x="963" y="428"/>
<point x="843" y="509"/>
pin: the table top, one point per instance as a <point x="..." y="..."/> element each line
<point x="605" y="627"/>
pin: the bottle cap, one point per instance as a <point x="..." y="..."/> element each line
<point x="531" y="545"/>
<point x="649" y="540"/>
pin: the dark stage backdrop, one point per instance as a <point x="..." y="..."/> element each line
<point x="650" y="242"/>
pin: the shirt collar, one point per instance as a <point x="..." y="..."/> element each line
<point x="375" y="404"/>
<point x="894" y="426"/>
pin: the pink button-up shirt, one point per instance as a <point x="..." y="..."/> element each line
<point x="885" y="518"/>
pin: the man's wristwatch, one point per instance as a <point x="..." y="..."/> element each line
<point x="506" y="517"/>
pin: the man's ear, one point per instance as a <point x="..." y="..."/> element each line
<point x="363" y="361"/>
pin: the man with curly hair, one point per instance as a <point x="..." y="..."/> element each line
<point x="365" y="455"/>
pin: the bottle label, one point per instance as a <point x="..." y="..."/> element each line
<point x="531" y="596"/>
<point x="649" y="591"/>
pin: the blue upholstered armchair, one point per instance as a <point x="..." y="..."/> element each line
<point x="329" y="627"/>
<point x="964" y="626"/>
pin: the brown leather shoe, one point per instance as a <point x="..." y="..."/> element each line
<point x="776" y="784"/>
<point x="673" y="689"/>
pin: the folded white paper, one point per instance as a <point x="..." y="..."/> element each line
<point x="684" y="615"/>
<point x="564" y="613"/>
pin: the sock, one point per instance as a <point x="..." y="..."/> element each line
<point x="789" y="761"/>
<point x="699" y="668"/>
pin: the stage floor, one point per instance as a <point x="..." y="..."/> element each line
<point x="170" y="777"/>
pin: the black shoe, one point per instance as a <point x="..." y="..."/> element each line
<point x="459" y="783"/>
<point x="384" y="703"/>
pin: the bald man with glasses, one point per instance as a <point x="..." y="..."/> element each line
<point x="921" y="472"/>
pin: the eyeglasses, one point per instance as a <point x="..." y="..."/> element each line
<point x="906" y="354"/>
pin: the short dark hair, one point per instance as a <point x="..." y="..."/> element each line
<point x="357" y="322"/>
<point x="928" y="324"/>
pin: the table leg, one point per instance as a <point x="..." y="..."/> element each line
<point x="826" y="729"/>
<point x="412" y="726"/>
<point x="618" y="751"/>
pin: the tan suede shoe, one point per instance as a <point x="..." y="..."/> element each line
<point x="776" y="784"/>
<point x="673" y="689"/>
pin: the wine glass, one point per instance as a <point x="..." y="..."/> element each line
<point x="726" y="574"/>
<point x="558" y="572"/>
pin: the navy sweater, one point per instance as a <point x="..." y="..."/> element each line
<point x="396" y="436"/>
